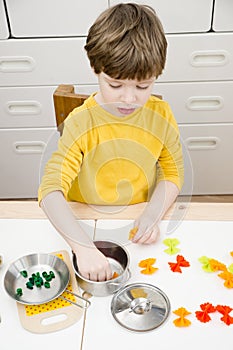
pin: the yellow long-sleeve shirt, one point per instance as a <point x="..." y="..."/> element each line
<point x="108" y="160"/>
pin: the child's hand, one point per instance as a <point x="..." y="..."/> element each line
<point x="147" y="230"/>
<point x="146" y="235"/>
<point x="92" y="264"/>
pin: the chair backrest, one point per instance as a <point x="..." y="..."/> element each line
<point x="65" y="100"/>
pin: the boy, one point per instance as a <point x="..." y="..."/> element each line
<point x="122" y="146"/>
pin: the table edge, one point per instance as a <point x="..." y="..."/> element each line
<point x="180" y="210"/>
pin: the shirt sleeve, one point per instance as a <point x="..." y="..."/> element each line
<point x="170" y="162"/>
<point x="63" y="167"/>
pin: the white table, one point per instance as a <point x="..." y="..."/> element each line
<point x="97" y="329"/>
<point x="189" y="289"/>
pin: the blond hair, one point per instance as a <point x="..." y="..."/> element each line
<point x="127" y="41"/>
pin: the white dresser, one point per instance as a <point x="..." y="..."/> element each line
<point x="41" y="46"/>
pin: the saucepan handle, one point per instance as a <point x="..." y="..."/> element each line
<point x="85" y="306"/>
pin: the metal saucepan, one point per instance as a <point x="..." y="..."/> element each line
<point x="119" y="261"/>
<point x="32" y="264"/>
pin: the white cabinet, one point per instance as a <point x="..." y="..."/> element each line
<point x="223" y="16"/>
<point x="199" y="57"/>
<point x="210" y="147"/>
<point x="42" y="46"/>
<point x="4" y="31"/>
<point x="180" y="16"/>
<point x="23" y="153"/>
<point x="191" y="57"/>
<point x="198" y="102"/>
<point x="52" y="18"/>
<point x="27" y="107"/>
<point x="44" y="62"/>
<point x="198" y="83"/>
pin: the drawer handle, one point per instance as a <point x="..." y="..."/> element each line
<point x="209" y="58"/>
<point x="29" y="147"/>
<point x="202" y="143"/>
<point x="16" y="64"/>
<point x="204" y="103"/>
<point x="23" y="107"/>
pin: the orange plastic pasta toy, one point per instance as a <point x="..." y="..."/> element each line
<point x="149" y="270"/>
<point x="147" y="265"/>
<point x="203" y="316"/>
<point x="115" y="275"/>
<point x="133" y="232"/>
<point x="228" y="277"/>
<point x="146" y="262"/>
<point x="225" y="310"/>
<point x="182" y="321"/>
<point x="217" y="265"/>
<point x="181" y="262"/>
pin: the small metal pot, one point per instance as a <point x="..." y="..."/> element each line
<point x="118" y="258"/>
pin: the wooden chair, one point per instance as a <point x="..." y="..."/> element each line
<point x="65" y="100"/>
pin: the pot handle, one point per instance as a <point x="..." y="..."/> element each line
<point x="88" y="303"/>
<point x="125" y="279"/>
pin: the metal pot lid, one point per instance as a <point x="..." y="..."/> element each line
<point x="140" y="307"/>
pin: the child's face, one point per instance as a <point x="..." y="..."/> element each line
<point x="122" y="97"/>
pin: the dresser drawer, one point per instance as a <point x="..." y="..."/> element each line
<point x="32" y="18"/>
<point x="23" y="154"/>
<point x="223" y="16"/>
<point x="60" y="61"/>
<point x="22" y="107"/>
<point x="199" y="57"/>
<point x="196" y="102"/>
<point x="180" y="16"/>
<point x="4" y="31"/>
<point x="209" y="147"/>
<point x="30" y="62"/>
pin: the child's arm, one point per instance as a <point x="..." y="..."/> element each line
<point x="162" y="198"/>
<point x="91" y="262"/>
